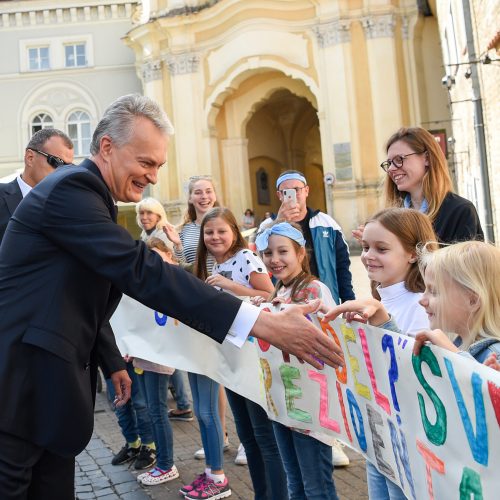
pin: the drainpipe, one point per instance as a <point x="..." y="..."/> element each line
<point x="478" y="124"/>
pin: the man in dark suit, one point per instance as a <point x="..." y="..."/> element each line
<point x="47" y="148"/>
<point x="64" y="263"/>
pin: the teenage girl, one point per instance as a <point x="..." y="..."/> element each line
<point x="308" y="461"/>
<point x="202" y="197"/>
<point x="241" y="272"/>
<point x="389" y="254"/>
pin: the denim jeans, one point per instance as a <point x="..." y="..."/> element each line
<point x="308" y="465"/>
<point x="133" y="417"/>
<point x="380" y="487"/>
<point x="181" y="396"/>
<point x="256" y="434"/>
<point x="205" y="394"/>
<point x="155" y="387"/>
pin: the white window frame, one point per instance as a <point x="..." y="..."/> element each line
<point x="57" y="47"/>
<point x="43" y="123"/>
<point x="78" y="140"/>
<point x="38" y="48"/>
<point x="74" y="46"/>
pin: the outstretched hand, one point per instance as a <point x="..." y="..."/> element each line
<point x="436" y="337"/>
<point x="290" y="331"/>
<point x="367" y="310"/>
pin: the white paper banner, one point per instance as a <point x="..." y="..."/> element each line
<point x="429" y="423"/>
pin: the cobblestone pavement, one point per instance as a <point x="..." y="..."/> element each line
<point x="97" y="478"/>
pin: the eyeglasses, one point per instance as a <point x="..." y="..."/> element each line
<point x="53" y="161"/>
<point x="397" y="161"/>
<point x="297" y="189"/>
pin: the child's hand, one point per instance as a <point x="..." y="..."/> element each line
<point x="436" y="337"/>
<point x="220" y="281"/>
<point x="363" y="310"/>
<point x="172" y="234"/>
<point x="358" y="233"/>
<point x="278" y="300"/>
<point x="257" y="300"/>
<point x="492" y="362"/>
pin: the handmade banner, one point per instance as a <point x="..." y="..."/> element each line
<point x="430" y="423"/>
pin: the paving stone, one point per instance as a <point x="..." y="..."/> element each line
<point x="127" y="487"/>
<point x="137" y="495"/>
<point x="85" y="496"/>
<point x="113" y="496"/>
<point x="120" y="477"/>
<point x="104" y="492"/>
<point x="90" y="467"/>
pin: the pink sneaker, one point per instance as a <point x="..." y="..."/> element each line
<point x="210" y="491"/>
<point x="199" y="481"/>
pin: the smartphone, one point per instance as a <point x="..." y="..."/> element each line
<point x="289" y="196"/>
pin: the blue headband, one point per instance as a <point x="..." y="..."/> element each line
<point x="293" y="176"/>
<point x="281" y="229"/>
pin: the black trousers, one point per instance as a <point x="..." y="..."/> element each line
<point x="28" y="472"/>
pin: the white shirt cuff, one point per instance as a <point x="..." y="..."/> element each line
<point x="243" y="324"/>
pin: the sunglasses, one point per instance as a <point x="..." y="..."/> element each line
<point x="53" y="161"/>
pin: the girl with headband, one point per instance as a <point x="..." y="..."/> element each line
<point x="307" y="458"/>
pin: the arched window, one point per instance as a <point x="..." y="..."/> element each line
<point x="79" y="132"/>
<point x="43" y="120"/>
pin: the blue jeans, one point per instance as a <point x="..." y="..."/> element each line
<point x="181" y="396"/>
<point x="380" y="487"/>
<point x="205" y="394"/>
<point x="308" y="464"/>
<point x="133" y="417"/>
<point x="256" y="434"/>
<point x="155" y="387"/>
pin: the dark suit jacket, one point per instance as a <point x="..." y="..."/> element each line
<point x="10" y="197"/>
<point x="457" y="220"/>
<point x="64" y="263"/>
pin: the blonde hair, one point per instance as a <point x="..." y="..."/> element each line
<point x="150" y="205"/>
<point x="436" y="183"/>
<point x="413" y="230"/>
<point x="190" y="214"/>
<point x="475" y="267"/>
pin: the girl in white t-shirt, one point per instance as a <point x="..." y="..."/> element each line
<point x="390" y="241"/>
<point x="239" y="271"/>
<point x="307" y="456"/>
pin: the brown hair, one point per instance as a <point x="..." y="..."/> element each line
<point x="239" y="243"/>
<point x="413" y="229"/>
<point x="190" y="214"/>
<point x="436" y="183"/>
<point x="304" y="277"/>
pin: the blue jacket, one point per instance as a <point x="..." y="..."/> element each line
<point x="332" y="256"/>
<point x="331" y="253"/>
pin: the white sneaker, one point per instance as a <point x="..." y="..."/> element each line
<point x="200" y="454"/>
<point x="340" y="459"/>
<point x="241" y="456"/>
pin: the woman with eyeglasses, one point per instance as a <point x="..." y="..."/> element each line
<point x="418" y="177"/>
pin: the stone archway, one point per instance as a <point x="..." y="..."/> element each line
<point x="257" y="96"/>
<point x="282" y="134"/>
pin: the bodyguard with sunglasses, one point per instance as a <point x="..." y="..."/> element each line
<point x="48" y="149"/>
